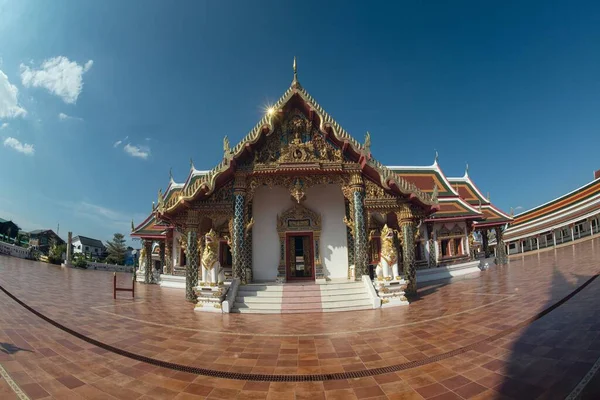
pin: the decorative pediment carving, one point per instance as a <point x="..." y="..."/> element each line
<point x="295" y="141"/>
<point x="298" y="218"/>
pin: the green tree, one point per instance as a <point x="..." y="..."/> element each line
<point x="55" y="255"/>
<point x="117" y="249"/>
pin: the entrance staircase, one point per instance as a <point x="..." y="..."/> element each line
<point x="302" y="298"/>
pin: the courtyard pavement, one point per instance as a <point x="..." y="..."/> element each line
<point x="527" y="330"/>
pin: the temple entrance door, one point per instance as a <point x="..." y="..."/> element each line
<point x="300" y="265"/>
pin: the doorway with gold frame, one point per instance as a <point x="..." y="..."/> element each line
<point x="300" y="259"/>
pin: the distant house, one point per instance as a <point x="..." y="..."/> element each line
<point x="42" y="239"/>
<point x="8" y="229"/>
<point x="88" y="246"/>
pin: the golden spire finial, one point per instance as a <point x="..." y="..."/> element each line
<point x="295" y="70"/>
<point x="295" y="83"/>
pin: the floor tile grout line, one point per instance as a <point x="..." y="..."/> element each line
<point x="302" y="378"/>
<point x="578" y="389"/>
<point x="382" y="328"/>
<point x="13" y="385"/>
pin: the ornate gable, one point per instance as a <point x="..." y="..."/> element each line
<point x="296" y="144"/>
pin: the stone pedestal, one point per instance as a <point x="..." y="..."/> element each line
<point x="209" y="298"/>
<point x="391" y="292"/>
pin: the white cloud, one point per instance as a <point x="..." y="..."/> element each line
<point x="118" y="142"/>
<point x="58" y="75"/>
<point x="518" y="208"/>
<point x="4" y="125"/>
<point x="64" y="117"/>
<point x="9" y="104"/>
<point x="18" y="146"/>
<point x="137" y="151"/>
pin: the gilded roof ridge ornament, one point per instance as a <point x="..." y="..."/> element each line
<point x="192" y="164"/>
<point x="467" y="171"/>
<point x="132" y="226"/>
<point x="436" y="159"/>
<point x="367" y="145"/>
<point x="171" y="174"/>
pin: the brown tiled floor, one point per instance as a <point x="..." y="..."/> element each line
<point x="544" y="359"/>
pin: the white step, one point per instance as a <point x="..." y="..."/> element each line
<point x="273" y="294"/>
<point x="258" y="306"/>
<point x="301" y="311"/>
<point x="172" y="281"/>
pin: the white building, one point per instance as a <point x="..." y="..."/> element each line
<point x="88" y="246"/>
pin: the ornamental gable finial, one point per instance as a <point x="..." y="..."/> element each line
<point x="295" y="82"/>
<point x="467" y="170"/>
<point x="192" y="163"/>
<point x="435" y="161"/>
<point x="367" y="144"/>
<point x="295" y="69"/>
<point x="171" y="173"/>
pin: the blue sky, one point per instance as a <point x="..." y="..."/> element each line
<point x="514" y="90"/>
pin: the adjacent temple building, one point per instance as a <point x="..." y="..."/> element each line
<point x="299" y="199"/>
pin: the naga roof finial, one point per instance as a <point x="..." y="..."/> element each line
<point x="192" y="163"/>
<point x="467" y="170"/>
<point x="367" y="144"/>
<point x="132" y="226"/>
<point x="435" y="160"/>
<point x="226" y="148"/>
<point x="171" y="173"/>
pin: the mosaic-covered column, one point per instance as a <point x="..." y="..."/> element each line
<point x="191" y="268"/>
<point x="162" y="255"/>
<point x="148" y="275"/>
<point x="408" y="230"/>
<point x="237" y="245"/>
<point x="484" y="242"/>
<point x="501" y="256"/>
<point x="247" y="249"/>
<point x="432" y="261"/>
<point x="168" y="254"/>
<point x="360" y="228"/>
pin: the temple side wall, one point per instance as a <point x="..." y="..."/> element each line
<point x="327" y="200"/>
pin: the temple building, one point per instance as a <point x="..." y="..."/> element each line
<point x="300" y="200"/>
<point x="571" y="217"/>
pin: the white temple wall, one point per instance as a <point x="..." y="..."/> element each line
<point x="175" y="249"/>
<point x="327" y="200"/>
<point x="266" y="205"/>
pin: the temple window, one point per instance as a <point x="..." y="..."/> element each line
<point x="457" y="248"/>
<point x="445" y="247"/>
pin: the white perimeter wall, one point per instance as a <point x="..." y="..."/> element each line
<point x="327" y="200"/>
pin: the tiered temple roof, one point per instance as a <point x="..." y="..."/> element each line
<point x="566" y="209"/>
<point x="459" y="198"/>
<point x="427" y="187"/>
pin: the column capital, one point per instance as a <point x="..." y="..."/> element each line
<point x="239" y="183"/>
<point x="356" y="182"/>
